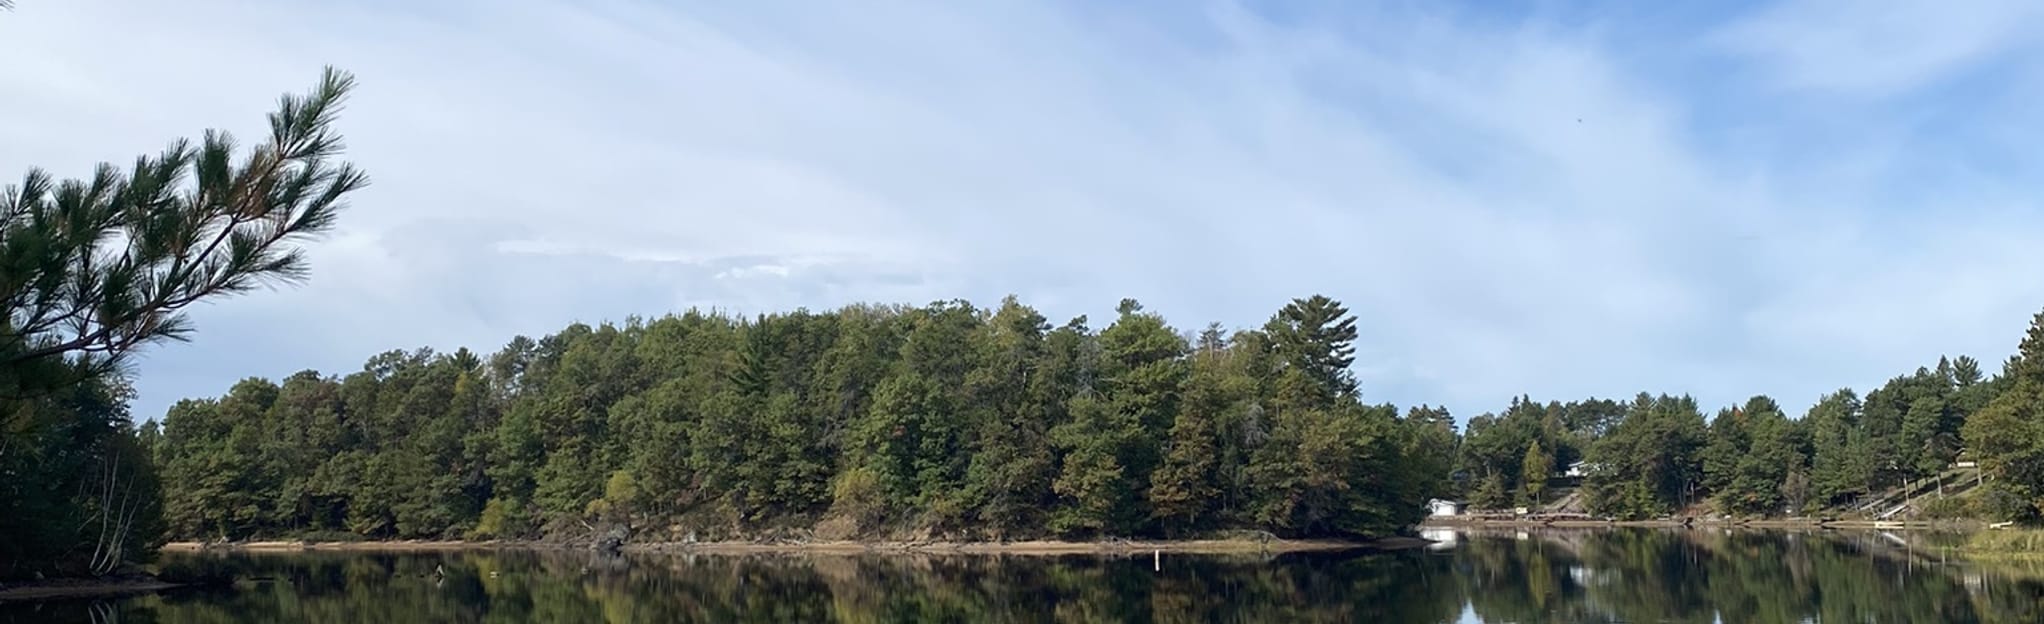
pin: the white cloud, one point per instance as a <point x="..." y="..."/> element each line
<point x="1881" y="46"/>
<point x="537" y="163"/>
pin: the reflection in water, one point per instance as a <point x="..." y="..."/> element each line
<point x="1579" y="576"/>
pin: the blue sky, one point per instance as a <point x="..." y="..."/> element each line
<point x="1562" y="199"/>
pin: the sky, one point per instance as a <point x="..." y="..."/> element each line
<point x="1553" y="199"/>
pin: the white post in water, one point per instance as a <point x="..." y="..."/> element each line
<point x="1157" y="560"/>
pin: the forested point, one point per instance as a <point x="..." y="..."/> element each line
<point x="947" y="420"/>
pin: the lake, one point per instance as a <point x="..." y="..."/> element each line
<point x="1601" y="575"/>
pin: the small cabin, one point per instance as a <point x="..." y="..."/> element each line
<point x="1438" y="508"/>
<point x="1579" y="470"/>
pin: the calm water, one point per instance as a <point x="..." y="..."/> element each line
<point x="1583" y="576"/>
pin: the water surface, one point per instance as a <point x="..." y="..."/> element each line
<point x="1605" y="575"/>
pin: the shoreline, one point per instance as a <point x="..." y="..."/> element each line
<point x="79" y="588"/>
<point x="1699" y="523"/>
<point x="838" y="547"/>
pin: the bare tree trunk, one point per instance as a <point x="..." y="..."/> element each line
<point x="106" y="501"/>
<point x="116" y="516"/>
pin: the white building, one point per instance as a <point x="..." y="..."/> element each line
<point x="1579" y="469"/>
<point x="1438" y="507"/>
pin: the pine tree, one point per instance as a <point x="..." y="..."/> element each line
<point x="1533" y="474"/>
<point x="1185" y="490"/>
<point x="1316" y="335"/>
<point x="2005" y="435"/>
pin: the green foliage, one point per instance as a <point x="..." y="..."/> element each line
<point x="956" y="420"/>
<point x="1537" y="465"/>
<point x="500" y="518"/>
<point x="1841" y="462"/>
<point x="620" y="497"/>
<point x="1316" y="336"/>
<point x="1008" y="480"/>
<point x="2007" y="435"/>
<point x="1428" y="448"/>
<point x="943" y="418"/>
<point x="1649" y="465"/>
<point x="857" y="496"/>
<point x="1950" y="507"/>
<point x="946" y="418"/>
<point x="80" y="491"/>
<point x="1499" y="444"/>
<point x="93" y="269"/>
<point x="1192" y="489"/>
<point x="1331" y="472"/>
<point x="1490" y="493"/>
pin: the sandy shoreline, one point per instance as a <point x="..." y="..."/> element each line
<point x="1037" y="547"/>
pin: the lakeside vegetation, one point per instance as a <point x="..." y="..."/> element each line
<point x="947" y="421"/>
<point x="955" y="422"/>
<point x="2015" y="544"/>
<point x="1657" y="455"/>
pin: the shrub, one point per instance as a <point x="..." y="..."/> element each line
<point x="1949" y="508"/>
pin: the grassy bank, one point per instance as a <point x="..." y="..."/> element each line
<point x="2011" y="544"/>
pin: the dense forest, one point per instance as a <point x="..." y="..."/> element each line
<point x="947" y="419"/>
<point x="1657" y="455"/>
<point x="967" y="422"/>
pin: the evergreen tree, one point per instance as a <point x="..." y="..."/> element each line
<point x="1533" y="474"/>
<point x="1316" y="336"/>
<point x="1142" y="371"/>
<point x="2007" y="435"/>
<point x="1009" y="479"/>
<point x="1729" y="441"/>
<point x="1841" y="462"/>
<point x="1650" y="464"/>
<point x="1187" y="488"/>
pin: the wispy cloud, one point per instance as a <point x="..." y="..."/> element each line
<point x="1511" y="205"/>
<point x="1879" y="47"/>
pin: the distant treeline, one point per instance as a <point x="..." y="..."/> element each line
<point x="947" y="419"/>
<point x="1656" y="456"/>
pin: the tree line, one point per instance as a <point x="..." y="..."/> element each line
<point x="1657" y="455"/>
<point x="943" y="419"/>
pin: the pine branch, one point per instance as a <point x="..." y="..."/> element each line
<point x="107" y="266"/>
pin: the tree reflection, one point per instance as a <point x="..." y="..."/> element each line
<point x="1561" y="576"/>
